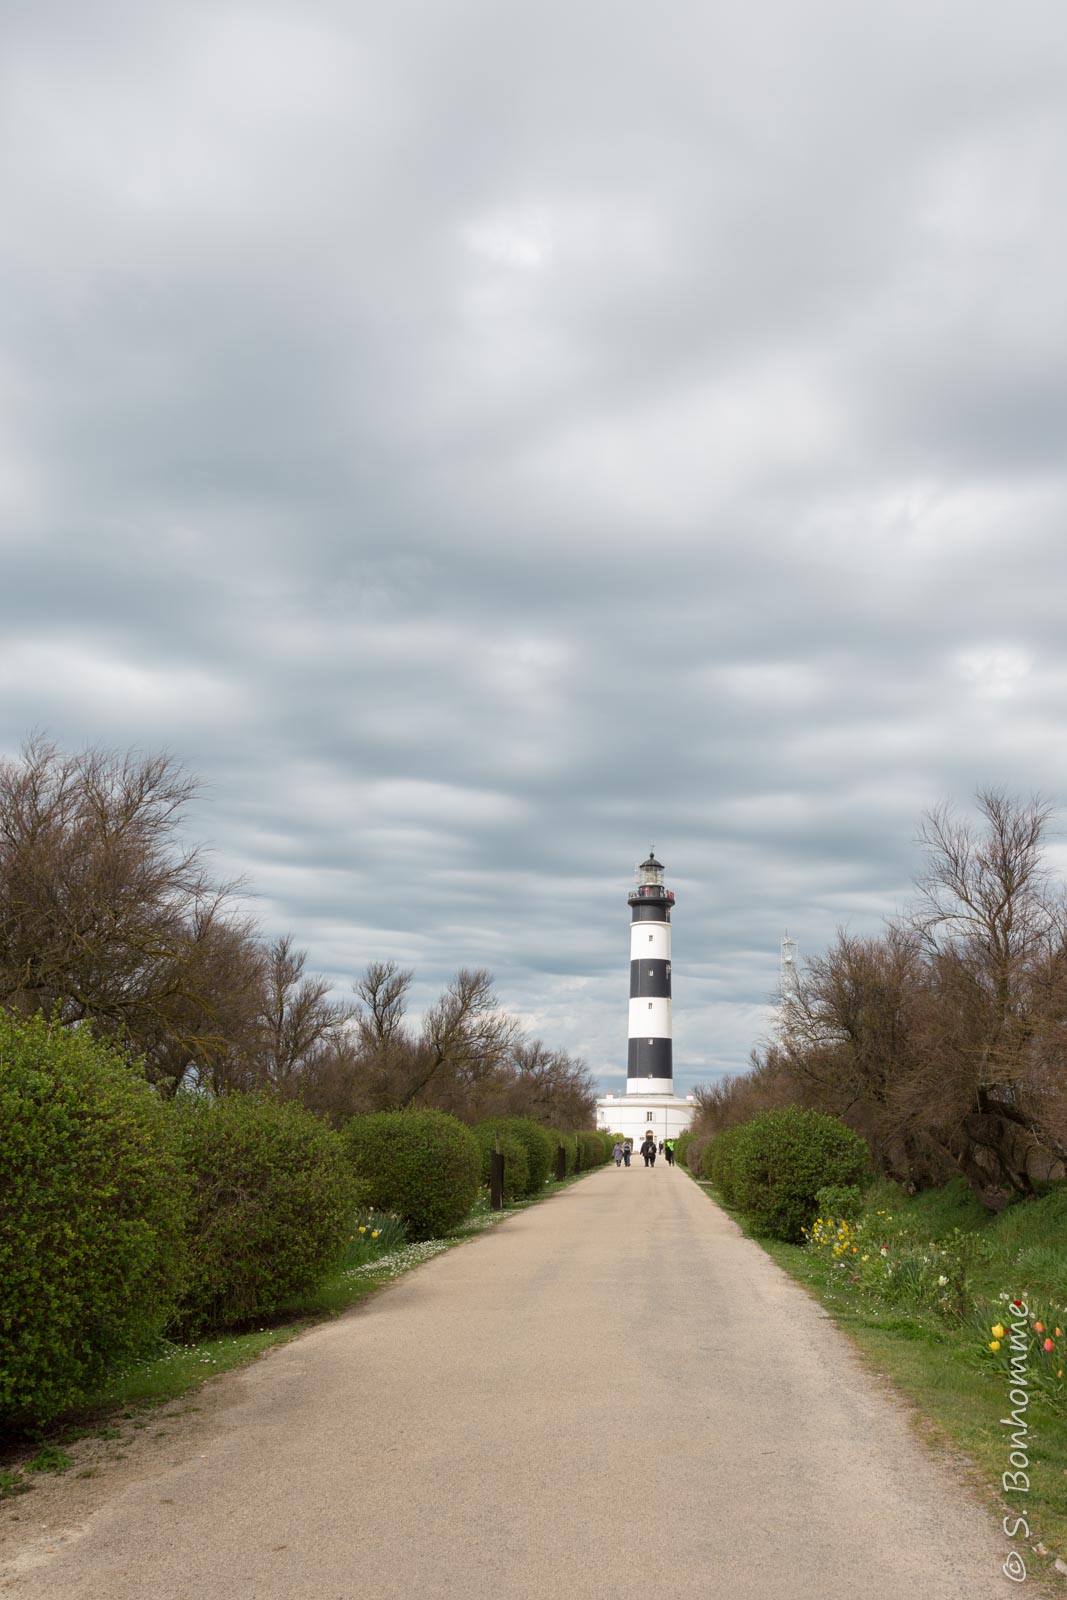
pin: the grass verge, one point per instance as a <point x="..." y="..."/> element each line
<point x="958" y="1397"/>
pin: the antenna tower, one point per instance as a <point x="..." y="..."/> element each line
<point x="787" y="991"/>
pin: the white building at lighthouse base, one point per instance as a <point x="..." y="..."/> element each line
<point x="632" y="1115"/>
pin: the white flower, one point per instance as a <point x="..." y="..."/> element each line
<point x="941" y="1282"/>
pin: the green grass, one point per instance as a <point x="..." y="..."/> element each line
<point x="942" y="1365"/>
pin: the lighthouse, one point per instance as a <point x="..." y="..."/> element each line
<point x="650" y="1051"/>
<point x="649" y="1104"/>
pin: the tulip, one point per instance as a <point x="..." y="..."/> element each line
<point x="997" y="1332"/>
<point x="1048" y="1347"/>
<point x="1039" y="1327"/>
<point x="994" y="1344"/>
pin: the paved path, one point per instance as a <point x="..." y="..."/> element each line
<point x="612" y="1394"/>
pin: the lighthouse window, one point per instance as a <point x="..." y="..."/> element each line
<point x="650" y="938"/>
<point x="650" y="1005"/>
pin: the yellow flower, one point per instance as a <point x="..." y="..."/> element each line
<point x="994" y="1344"/>
<point x="997" y="1332"/>
<point x="865" y="1258"/>
<point x="362" y="1230"/>
<point x="375" y="1234"/>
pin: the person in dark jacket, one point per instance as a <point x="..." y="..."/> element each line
<point x="648" y="1150"/>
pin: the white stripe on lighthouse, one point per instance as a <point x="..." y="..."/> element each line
<point x="650" y="1019"/>
<point x="650" y="939"/>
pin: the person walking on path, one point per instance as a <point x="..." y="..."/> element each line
<point x="648" y="1150"/>
<point x="627" y="1147"/>
<point x="668" y="1151"/>
<point x="616" y="1154"/>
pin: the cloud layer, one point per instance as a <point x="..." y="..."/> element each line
<point x="483" y="443"/>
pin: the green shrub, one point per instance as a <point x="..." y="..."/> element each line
<point x="272" y="1200"/>
<point x="681" y="1145"/>
<point x="512" y="1148"/>
<point x="424" y="1166"/>
<point x="778" y="1161"/>
<point x="694" y="1153"/>
<point x="593" y="1151"/>
<point x="839" y="1200"/>
<point x="540" y="1147"/>
<point x="719" y="1161"/>
<point x="91" y="1205"/>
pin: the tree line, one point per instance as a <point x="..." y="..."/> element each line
<point x="111" y="920"/>
<point x="943" y="1040"/>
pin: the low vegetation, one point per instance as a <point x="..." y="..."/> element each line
<point x="93" y="1203"/>
<point x="271" y="1200"/>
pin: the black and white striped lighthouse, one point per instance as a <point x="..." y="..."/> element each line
<point x="649" y="1064"/>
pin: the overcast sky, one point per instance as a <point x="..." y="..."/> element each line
<point x="485" y="440"/>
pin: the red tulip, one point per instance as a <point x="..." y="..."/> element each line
<point x="1049" y="1346"/>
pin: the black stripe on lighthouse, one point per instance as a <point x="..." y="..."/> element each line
<point x="651" y="979"/>
<point x="650" y="1058"/>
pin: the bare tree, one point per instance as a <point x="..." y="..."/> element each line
<point x="105" y="913"/>
<point x="298" y="1019"/>
<point x="985" y="896"/>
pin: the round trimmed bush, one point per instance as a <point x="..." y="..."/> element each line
<point x="540" y="1146"/>
<point x="423" y="1166"/>
<point x="272" y="1199"/>
<point x="781" y="1161"/>
<point x="91" y="1198"/>
<point x="516" y="1166"/>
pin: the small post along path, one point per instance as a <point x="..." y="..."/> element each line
<point x="611" y="1394"/>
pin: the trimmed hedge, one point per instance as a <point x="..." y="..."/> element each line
<point x="512" y="1148"/>
<point x="423" y="1166"/>
<point x="775" y="1165"/>
<point x="539" y="1145"/>
<point x="594" y="1152"/>
<point x="681" y="1145"/>
<point x="693" y="1155"/>
<point x="272" y="1199"/>
<point x="92" y="1198"/>
<point x="718" y="1161"/>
